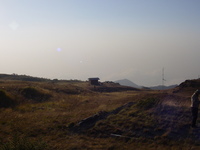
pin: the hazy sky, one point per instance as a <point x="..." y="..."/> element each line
<point x="109" y="39"/>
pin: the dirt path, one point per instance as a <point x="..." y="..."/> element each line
<point x="174" y="115"/>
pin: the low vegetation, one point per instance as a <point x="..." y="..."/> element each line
<point x="147" y="103"/>
<point x="22" y="143"/>
<point x="6" y="100"/>
<point x="43" y="115"/>
<point x="35" y="94"/>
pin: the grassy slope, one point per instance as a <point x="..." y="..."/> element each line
<point x="157" y="120"/>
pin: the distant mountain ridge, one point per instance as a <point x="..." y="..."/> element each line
<point x="160" y="87"/>
<point x="127" y="82"/>
<point x="124" y="82"/>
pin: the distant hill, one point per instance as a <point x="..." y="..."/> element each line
<point x="21" y="77"/>
<point x="160" y="87"/>
<point x="127" y="82"/>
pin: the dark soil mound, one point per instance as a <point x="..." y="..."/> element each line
<point x="35" y="94"/>
<point x="190" y="83"/>
<point x="5" y="100"/>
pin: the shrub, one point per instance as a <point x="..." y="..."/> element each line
<point x="147" y="103"/>
<point x="35" y="94"/>
<point x="5" y="100"/>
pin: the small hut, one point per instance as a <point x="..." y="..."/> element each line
<point x="94" y="81"/>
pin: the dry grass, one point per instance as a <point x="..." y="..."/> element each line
<point x="149" y="124"/>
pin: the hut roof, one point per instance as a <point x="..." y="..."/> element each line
<point x="90" y="79"/>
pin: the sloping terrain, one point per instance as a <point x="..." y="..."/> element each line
<point x="153" y="116"/>
<point x="73" y="115"/>
<point x="163" y="117"/>
<point x="21" y="77"/>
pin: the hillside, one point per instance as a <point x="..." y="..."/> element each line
<point x="75" y="115"/>
<point x="21" y="77"/>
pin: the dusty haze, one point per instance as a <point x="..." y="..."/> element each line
<point x="109" y="39"/>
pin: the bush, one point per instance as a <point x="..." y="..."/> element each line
<point x="5" y="100"/>
<point x="18" y="143"/>
<point x="147" y="103"/>
<point x="35" y="94"/>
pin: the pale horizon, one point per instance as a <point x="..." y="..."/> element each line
<point x="109" y="39"/>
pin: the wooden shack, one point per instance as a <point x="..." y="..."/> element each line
<point x="94" y="81"/>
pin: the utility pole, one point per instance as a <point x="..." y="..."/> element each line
<point x="163" y="77"/>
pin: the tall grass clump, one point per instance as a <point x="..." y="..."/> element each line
<point x="147" y="103"/>
<point x="5" y="100"/>
<point x="17" y="143"/>
<point x="35" y="94"/>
